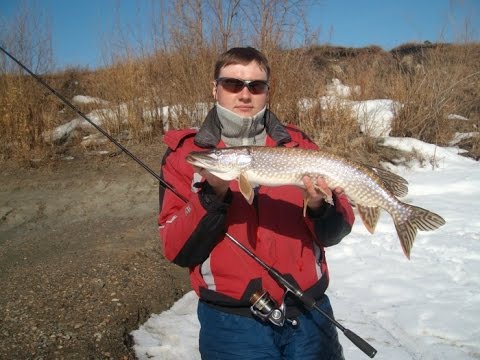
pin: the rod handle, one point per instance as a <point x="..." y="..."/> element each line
<point x="360" y="343"/>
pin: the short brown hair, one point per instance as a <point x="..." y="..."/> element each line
<point x="244" y="56"/>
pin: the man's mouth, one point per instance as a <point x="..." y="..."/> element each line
<point x="244" y="108"/>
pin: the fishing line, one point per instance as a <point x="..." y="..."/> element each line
<point x="308" y="301"/>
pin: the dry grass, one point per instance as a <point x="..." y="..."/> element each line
<point x="25" y="113"/>
<point x="444" y="80"/>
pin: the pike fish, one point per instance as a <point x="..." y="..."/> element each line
<point x="369" y="189"/>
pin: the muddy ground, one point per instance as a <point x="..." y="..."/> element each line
<point x="80" y="260"/>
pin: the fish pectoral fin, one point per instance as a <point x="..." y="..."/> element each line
<point x="306" y="198"/>
<point x="246" y="188"/>
<point x="328" y="198"/>
<point x="369" y="217"/>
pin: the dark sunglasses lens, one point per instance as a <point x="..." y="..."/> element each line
<point x="232" y="85"/>
<point x="235" y="85"/>
<point x="258" y="87"/>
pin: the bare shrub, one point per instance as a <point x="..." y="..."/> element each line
<point x="448" y="83"/>
<point x="25" y="109"/>
<point x="431" y="81"/>
<point x="332" y="126"/>
<point x="291" y="82"/>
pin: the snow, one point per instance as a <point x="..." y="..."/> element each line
<point x="338" y="89"/>
<point x="84" y="99"/>
<point x="119" y="114"/>
<point x="374" y="117"/>
<point x="427" y="308"/>
<point x="463" y="136"/>
<point x="172" y="334"/>
<point x="457" y="117"/>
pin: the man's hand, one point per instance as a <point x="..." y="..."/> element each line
<point x="218" y="185"/>
<point x="317" y="193"/>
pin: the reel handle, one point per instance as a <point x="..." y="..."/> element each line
<point x="360" y="343"/>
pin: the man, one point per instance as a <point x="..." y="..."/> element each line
<point x="273" y="227"/>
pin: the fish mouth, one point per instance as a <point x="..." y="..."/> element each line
<point x="199" y="159"/>
<point x="204" y="161"/>
<point x="190" y="159"/>
<point x="194" y="160"/>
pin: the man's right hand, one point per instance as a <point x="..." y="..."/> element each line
<point x="218" y="185"/>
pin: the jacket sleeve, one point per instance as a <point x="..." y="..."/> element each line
<point x="189" y="231"/>
<point x="332" y="223"/>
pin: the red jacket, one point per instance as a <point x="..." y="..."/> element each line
<point x="273" y="227"/>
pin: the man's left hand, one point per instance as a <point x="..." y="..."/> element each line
<point x="319" y="192"/>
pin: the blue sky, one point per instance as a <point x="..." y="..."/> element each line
<point x="80" y="29"/>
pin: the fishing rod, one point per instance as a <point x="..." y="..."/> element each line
<point x="308" y="301"/>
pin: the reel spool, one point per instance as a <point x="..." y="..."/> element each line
<point x="266" y="308"/>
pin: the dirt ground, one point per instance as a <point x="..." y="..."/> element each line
<point x="80" y="260"/>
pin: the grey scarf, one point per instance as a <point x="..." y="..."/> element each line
<point x="239" y="131"/>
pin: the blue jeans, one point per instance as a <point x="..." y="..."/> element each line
<point x="226" y="336"/>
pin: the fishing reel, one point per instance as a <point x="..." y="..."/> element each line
<point x="267" y="309"/>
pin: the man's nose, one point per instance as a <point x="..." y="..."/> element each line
<point x="245" y="93"/>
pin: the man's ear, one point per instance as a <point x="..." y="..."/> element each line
<point x="214" y="90"/>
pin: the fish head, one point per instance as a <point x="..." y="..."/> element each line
<point x="227" y="164"/>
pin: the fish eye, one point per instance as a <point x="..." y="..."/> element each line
<point x="218" y="153"/>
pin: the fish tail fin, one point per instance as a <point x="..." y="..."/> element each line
<point x="416" y="218"/>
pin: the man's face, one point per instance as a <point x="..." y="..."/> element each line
<point x="243" y="103"/>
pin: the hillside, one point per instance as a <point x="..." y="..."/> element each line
<point x="143" y="96"/>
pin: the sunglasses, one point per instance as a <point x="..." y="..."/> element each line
<point x="233" y="85"/>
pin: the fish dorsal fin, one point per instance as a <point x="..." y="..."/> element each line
<point x="393" y="182"/>
<point x="246" y="188"/>
<point x="369" y="217"/>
